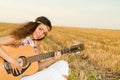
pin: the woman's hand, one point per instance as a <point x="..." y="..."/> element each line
<point x="15" y="66"/>
<point x="57" y="55"/>
<point x="52" y="60"/>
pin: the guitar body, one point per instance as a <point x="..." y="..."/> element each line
<point x="28" y="60"/>
<point x="15" y="53"/>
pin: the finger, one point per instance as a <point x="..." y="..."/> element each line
<point x="55" y="54"/>
<point x="19" y="69"/>
<point x="16" y="71"/>
<point x="12" y="70"/>
<point x="58" y="53"/>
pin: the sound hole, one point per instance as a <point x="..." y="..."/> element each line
<point x="22" y="61"/>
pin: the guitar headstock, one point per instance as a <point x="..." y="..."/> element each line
<point x="77" y="47"/>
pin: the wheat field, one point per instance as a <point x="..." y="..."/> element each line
<point x="101" y="54"/>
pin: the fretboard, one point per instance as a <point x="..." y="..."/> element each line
<point x="46" y="55"/>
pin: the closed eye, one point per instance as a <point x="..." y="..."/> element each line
<point x="41" y="29"/>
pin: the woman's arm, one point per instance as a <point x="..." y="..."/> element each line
<point x="44" y="64"/>
<point x="52" y="60"/>
<point x="9" y="40"/>
<point x="5" y="41"/>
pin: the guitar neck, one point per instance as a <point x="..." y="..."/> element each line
<point x="45" y="55"/>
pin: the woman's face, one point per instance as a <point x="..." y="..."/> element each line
<point x="40" y="32"/>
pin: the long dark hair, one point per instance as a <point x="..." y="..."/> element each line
<point x="30" y="27"/>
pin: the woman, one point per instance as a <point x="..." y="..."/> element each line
<point x="30" y="34"/>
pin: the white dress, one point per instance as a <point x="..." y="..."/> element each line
<point x="53" y="72"/>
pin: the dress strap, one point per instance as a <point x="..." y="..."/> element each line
<point x="28" y="41"/>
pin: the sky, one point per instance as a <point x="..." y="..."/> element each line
<point x="103" y="14"/>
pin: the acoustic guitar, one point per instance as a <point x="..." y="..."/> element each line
<point x="28" y="60"/>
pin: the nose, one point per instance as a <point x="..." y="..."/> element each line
<point x="41" y="34"/>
